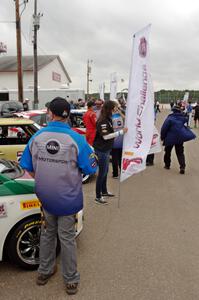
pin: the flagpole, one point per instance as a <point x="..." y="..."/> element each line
<point x="119" y="195"/>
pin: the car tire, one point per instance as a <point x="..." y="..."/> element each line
<point x="23" y="244"/>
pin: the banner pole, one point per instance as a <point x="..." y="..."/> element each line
<point x="119" y="195"/>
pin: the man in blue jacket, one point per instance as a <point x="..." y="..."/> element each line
<point x="56" y="156"/>
<point x="175" y="133"/>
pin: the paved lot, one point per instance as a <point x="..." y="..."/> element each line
<point x="148" y="249"/>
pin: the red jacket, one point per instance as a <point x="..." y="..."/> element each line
<point x="89" y="120"/>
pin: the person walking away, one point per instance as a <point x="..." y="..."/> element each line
<point x="196" y="114"/>
<point x="103" y="144"/>
<point x="189" y="110"/>
<point x="55" y="157"/>
<point x="116" y="152"/>
<point x="175" y="133"/>
<point x="89" y="120"/>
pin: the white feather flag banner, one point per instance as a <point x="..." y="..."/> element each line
<point x="140" y="108"/>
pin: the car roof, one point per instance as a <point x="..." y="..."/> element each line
<point x="15" y="121"/>
<point x="31" y="113"/>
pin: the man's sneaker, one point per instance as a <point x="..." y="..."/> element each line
<point x="167" y="167"/>
<point x="42" y="279"/>
<point x="71" y="288"/>
<point x="182" y="171"/>
<point x="108" y="194"/>
<point x="115" y="177"/>
<point x="101" y="201"/>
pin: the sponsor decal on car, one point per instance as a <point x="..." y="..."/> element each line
<point x="29" y="204"/>
<point x="3" y="210"/>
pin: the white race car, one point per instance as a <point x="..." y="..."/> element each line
<point x="20" y="217"/>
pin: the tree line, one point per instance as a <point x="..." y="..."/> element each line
<point x="163" y="96"/>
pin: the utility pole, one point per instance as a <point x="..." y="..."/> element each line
<point x="88" y="76"/>
<point x="36" y="22"/>
<point x="19" y="52"/>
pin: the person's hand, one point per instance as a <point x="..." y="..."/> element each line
<point x="125" y="130"/>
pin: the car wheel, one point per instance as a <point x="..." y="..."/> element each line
<point x="85" y="178"/>
<point x="23" y="245"/>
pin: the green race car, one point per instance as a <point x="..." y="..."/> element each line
<point x="20" y="217"/>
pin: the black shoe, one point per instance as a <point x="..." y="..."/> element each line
<point x="101" y="201"/>
<point x="182" y="171"/>
<point x="167" y="167"/>
<point x="71" y="288"/>
<point x="42" y="279"/>
<point x="108" y="194"/>
<point x="149" y="164"/>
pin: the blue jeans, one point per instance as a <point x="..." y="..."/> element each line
<point x="103" y="164"/>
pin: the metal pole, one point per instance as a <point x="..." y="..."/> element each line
<point x="88" y="80"/>
<point x="19" y="53"/>
<point x="35" y="68"/>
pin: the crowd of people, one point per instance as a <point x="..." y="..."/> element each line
<point x="63" y="154"/>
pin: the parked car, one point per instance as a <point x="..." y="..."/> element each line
<point x="20" y="217"/>
<point x="9" y="107"/>
<point x="41" y="118"/>
<point x="14" y="135"/>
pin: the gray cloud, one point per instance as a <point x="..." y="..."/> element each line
<point x="103" y="31"/>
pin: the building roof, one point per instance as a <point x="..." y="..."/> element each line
<point x="9" y="63"/>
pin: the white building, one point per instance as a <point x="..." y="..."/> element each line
<point x="51" y="72"/>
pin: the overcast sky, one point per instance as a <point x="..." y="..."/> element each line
<point x="102" y="31"/>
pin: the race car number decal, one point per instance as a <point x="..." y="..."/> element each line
<point x="29" y="204"/>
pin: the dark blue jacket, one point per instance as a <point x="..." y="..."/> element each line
<point x="174" y="131"/>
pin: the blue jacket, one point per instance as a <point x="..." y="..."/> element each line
<point x="57" y="155"/>
<point x="174" y="131"/>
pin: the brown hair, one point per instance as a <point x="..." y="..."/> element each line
<point x="106" y="111"/>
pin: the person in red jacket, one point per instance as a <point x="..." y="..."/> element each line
<point x="89" y="120"/>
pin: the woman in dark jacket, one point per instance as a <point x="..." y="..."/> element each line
<point x="175" y="133"/>
<point x="103" y="144"/>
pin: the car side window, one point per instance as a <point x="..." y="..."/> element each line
<point x="13" y="135"/>
<point x="3" y="131"/>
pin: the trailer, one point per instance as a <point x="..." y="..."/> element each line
<point x="44" y="95"/>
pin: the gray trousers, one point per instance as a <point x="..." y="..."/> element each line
<point x="65" y="227"/>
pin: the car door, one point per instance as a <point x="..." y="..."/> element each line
<point x="13" y="140"/>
